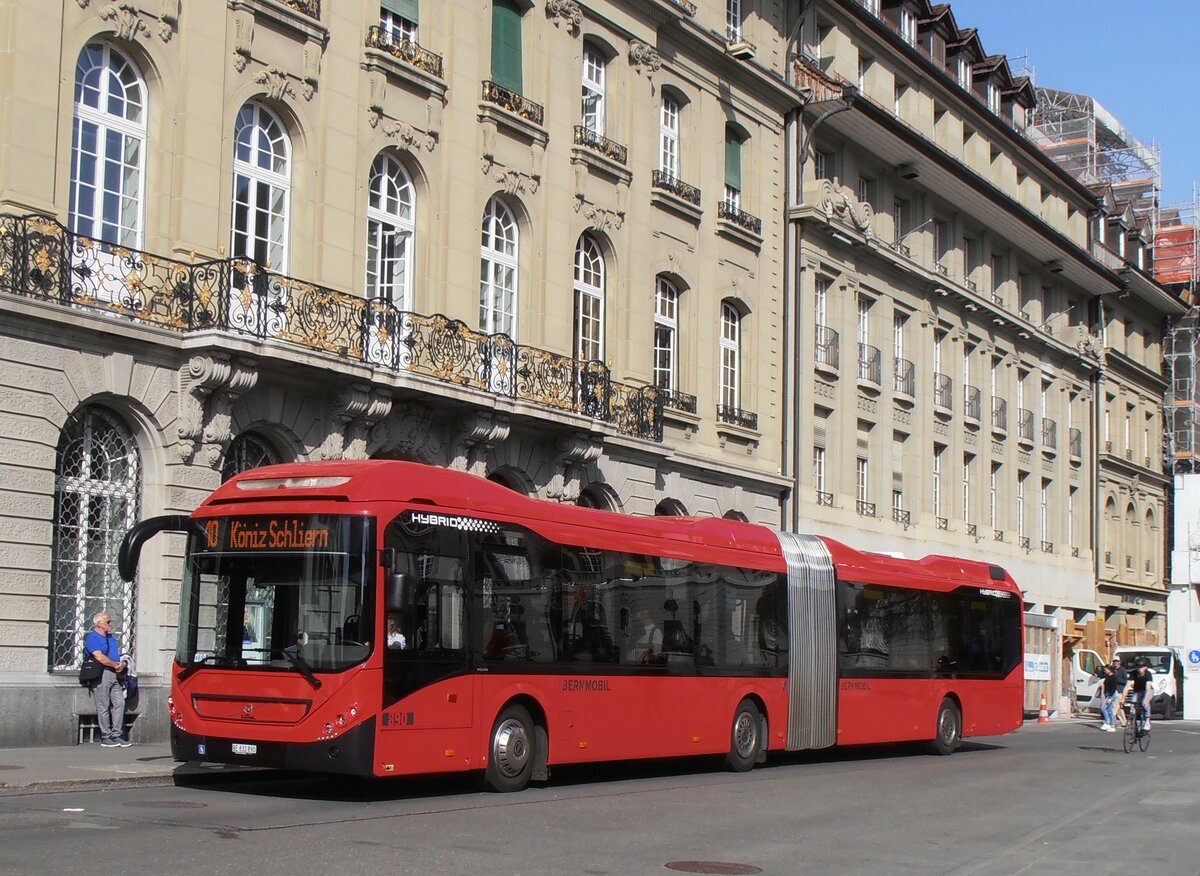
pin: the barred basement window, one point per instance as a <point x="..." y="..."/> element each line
<point x="97" y="492"/>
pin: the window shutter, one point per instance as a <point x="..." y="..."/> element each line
<point x="897" y="462"/>
<point x="406" y="9"/>
<point x="506" y="45"/>
<point x="820" y="430"/>
<point x="733" y="162"/>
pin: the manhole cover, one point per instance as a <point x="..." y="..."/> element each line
<point x="6" y="766"/>
<point x="722" y="868"/>
<point x="167" y="804"/>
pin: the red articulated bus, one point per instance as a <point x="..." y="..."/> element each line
<point x="385" y="618"/>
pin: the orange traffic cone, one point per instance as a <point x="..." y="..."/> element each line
<point x="1043" y="715"/>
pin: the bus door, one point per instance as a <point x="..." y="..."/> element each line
<point x="425" y="638"/>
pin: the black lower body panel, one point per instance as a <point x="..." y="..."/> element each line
<point x="352" y="753"/>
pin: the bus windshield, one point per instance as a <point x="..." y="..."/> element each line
<point x="289" y="593"/>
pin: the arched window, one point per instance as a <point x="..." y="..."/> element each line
<point x="248" y="450"/>
<point x="592" y="113"/>
<point x="390" y="218"/>
<point x="1111" y="524"/>
<point x="736" y="515"/>
<point x="97" y="490"/>
<point x="498" y="271"/>
<point x="670" y="508"/>
<point x="262" y="187"/>
<point x="108" y="147"/>
<point x="666" y="335"/>
<point x="589" y="300"/>
<point x="731" y="358"/>
<point x="598" y="496"/>
<point x="1150" y="543"/>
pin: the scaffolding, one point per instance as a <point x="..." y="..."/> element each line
<point x="1088" y="141"/>
<point x="1181" y="355"/>
<point x="1177" y="248"/>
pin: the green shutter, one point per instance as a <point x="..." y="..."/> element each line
<point x="733" y="162"/>
<point x="506" y="45"/>
<point x="406" y="9"/>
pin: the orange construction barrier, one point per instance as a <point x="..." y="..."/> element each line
<point x="1043" y="715"/>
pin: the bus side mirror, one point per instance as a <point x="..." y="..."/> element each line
<point x="131" y="544"/>
<point x="399" y="592"/>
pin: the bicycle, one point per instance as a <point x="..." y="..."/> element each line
<point x="1136" y="732"/>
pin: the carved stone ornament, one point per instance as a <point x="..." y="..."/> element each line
<point x="516" y="183"/>
<point x="575" y="451"/>
<point x="643" y="56"/>
<point x="603" y="219"/>
<point x="567" y="11"/>
<point x="477" y="434"/>
<point x="243" y="38"/>
<point x="353" y="411"/>
<point x="406" y="135"/>
<point x="126" y="20"/>
<point x="408" y="432"/>
<point x="209" y="385"/>
<point x="838" y="202"/>
<point x="275" y="82"/>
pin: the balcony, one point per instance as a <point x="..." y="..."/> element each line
<point x="737" y="417"/>
<point x="827" y="356"/>
<point x="660" y="179"/>
<point x="864" y="509"/>
<point x="904" y="381"/>
<point x="1023" y="541"/>
<point x="678" y="401"/>
<point x="513" y="102"/>
<point x="406" y="50"/>
<point x="1075" y="444"/>
<point x="972" y="404"/>
<point x="973" y="530"/>
<point x="1025" y="426"/>
<point x="311" y="8"/>
<point x="41" y="260"/>
<point x="1049" y="435"/>
<point x="1106" y="256"/>
<point x="869" y="368"/>
<point x="1047" y="547"/>
<point x="1075" y="553"/>
<point x="997" y="535"/>
<point x="904" y="518"/>
<point x="610" y="149"/>
<point x="943" y="393"/>
<point x="824" y="499"/>
<point x="730" y="213"/>
<point x="999" y="417"/>
<point x="942" y="523"/>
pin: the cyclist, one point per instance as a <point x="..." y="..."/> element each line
<point x="1141" y="687"/>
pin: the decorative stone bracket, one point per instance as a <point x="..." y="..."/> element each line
<point x="565" y="11"/>
<point x="838" y="202"/>
<point x="408" y="431"/>
<point x="209" y="385"/>
<point x="478" y="434"/>
<point x="576" y="450"/>
<point x="353" y="411"/>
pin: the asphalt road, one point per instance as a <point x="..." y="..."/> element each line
<point x="1060" y="798"/>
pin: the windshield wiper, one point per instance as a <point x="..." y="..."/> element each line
<point x="302" y="667"/>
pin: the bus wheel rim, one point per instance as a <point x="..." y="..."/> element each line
<point x="510" y="748"/>
<point x="948" y="732"/>
<point x="745" y="736"/>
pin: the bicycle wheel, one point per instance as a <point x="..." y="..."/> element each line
<point x="1129" y="735"/>
<point x="1144" y="736"/>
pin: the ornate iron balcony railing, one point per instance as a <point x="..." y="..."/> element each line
<point x="999" y="414"/>
<point x="942" y="523"/>
<point x="827" y="347"/>
<point x="1049" y="433"/>
<point x="825" y="499"/>
<point x="737" y="416"/>
<point x="1025" y="424"/>
<point x="406" y="50"/>
<point x="660" y="179"/>
<point x="741" y="218"/>
<point x="905" y="380"/>
<point x="997" y="535"/>
<point x="904" y="518"/>
<point x="943" y="391"/>
<point x="1024" y="542"/>
<point x="678" y="401"/>
<point x="1047" y="547"/>
<point x="589" y="139"/>
<point x="311" y="8"/>
<point x="972" y="403"/>
<point x="869" y="368"/>
<point x="513" y="102"/>
<point x="973" y="530"/>
<point x="864" y="509"/>
<point x="40" y="259"/>
<point x="687" y="7"/>
<point x="1075" y="552"/>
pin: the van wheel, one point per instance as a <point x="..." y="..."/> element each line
<point x="948" y="729"/>
<point x="744" y="738"/>
<point x="1168" y="708"/>
<point x="511" y="751"/>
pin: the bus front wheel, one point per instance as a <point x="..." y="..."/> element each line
<point x="511" y="752"/>
<point x="745" y="738"/>
<point x="948" y="728"/>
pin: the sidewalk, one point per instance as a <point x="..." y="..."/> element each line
<point x="91" y="767"/>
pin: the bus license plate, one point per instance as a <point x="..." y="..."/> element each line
<point x="244" y="748"/>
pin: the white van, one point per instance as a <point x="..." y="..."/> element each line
<point x="1165" y="663"/>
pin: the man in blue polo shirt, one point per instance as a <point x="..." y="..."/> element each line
<point x="109" y="696"/>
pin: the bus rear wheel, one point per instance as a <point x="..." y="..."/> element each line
<point x="511" y="751"/>
<point x="744" y="737"/>
<point x="948" y="729"/>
